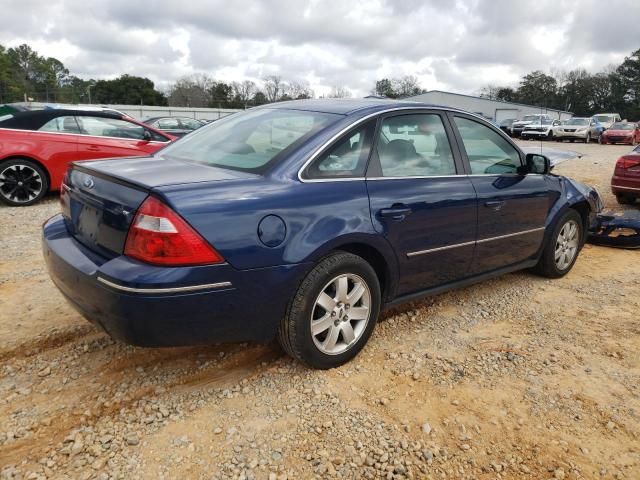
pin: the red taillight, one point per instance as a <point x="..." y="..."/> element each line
<point x="160" y="236"/>
<point x="629" y="161"/>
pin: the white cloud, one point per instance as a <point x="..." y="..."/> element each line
<point x="459" y="45"/>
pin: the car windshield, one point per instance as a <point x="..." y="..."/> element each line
<point x="530" y="118"/>
<point x="507" y="122"/>
<point x="578" y="121"/>
<point x="622" y="126"/>
<point x="249" y="141"/>
<point x="604" y="118"/>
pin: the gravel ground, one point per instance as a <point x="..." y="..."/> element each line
<point x="517" y="377"/>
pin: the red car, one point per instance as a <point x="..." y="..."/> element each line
<point x="625" y="183"/>
<point x="36" y="147"/>
<point x="621" y="132"/>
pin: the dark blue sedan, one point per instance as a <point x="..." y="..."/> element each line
<point x="301" y="220"/>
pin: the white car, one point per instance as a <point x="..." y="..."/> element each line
<point x="607" y="119"/>
<point x="542" y="129"/>
<point x="518" y="126"/>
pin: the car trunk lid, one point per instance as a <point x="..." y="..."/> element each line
<point x="100" y="198"/>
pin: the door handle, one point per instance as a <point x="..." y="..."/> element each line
<point x="93" y="148"/>
<point x="495" y="204"/>
<point x="396" y="212"/>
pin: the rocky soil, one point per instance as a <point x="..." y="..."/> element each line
<point x="517" y="377"/>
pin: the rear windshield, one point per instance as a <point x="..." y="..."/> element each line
<point x="249" y="141"/>
<point x="578" y="121"/>
<point x="604" y="118"/>
<point x="623" y="126"/>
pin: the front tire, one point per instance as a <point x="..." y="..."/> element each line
<point x="333" y="313"/>
<point x="587" y="139"/>
<point x="562" y="249"/>
<point x="22" y="182"/>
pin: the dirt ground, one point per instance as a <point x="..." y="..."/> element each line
<point x="517" y="377"/>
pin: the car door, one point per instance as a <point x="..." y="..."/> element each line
<point x="420" y="201"/>
<point x="56" y="144"/>
<point x="512" y="205"/>
<point x="104" y="137"/>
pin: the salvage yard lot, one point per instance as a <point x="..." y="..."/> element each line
<point x="519" y="376"/>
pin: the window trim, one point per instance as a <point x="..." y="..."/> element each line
<point x="449" y="112"/>
<point x="463" y="151"/>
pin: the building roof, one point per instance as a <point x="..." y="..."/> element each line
<point x="418" y="98"/>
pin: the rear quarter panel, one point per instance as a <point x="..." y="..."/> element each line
<point x="319" y="217"/>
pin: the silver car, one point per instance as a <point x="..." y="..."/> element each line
<point x="579" y="128"/>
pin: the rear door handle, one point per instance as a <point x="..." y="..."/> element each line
<point x="495" y="204"/>
<point x="396" y="212"/>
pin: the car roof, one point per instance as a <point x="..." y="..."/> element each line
<point x="349" y="106"/>
<point x="34" y="119"/>
<point x="153" y="119"/>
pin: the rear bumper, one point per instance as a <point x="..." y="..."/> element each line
<point x="147" y="305"/>
<point x="625" y="185"/>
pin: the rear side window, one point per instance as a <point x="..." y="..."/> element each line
<point x="488" y="151"/>
<point x="415" y="146"/>
<point x="250" y="141"/>
<point x="347" y="157"/>
<point x="61" y="125"/>
<point x="168" y="123"/>
<point x="110" y="127"/>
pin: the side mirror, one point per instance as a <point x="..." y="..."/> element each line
<point x="537" y="163"/>
<point x="146" y="135"/>
<point x="556" y="123"/>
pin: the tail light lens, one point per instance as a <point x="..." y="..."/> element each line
<point x="158" y="235"/>
<point x="629" y="161"/>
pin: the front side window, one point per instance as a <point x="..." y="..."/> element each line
<point x="250" y="141"/>
<point x="488" y="151"/>
<point x="346" y="158"/>
<point x="414" y="146"/>
<point x="61" y="125"/>
<point x="110" y="127"/>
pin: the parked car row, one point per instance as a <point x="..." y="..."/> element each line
<point x="604" y="128"/>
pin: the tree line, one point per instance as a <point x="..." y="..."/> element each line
<point x="614" y="89"/>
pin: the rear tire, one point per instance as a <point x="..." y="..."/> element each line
<point x="22" y="182"/>
<point x="563" y="246"/>
<point x="625" y="199"/>
<point x="321" y="327"/>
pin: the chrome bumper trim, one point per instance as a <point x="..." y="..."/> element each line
<point x="190" y="288"/>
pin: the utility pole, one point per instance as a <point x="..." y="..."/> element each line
<point x="89" y="92"/>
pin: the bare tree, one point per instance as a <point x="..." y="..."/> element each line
<point x="191" y="91"/>
<point x="407" y="86"/>
<point x="274" y="88"/>
<point x="244" y="91"/>
<point x="299" y="90"/>
<point x="339" y="92"/>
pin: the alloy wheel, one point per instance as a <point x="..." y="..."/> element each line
<point x="567" y="244"/>
<point x="340" y="314"/>
<point x="20" y="183"/>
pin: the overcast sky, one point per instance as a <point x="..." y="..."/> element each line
<point x="451" y="45"/>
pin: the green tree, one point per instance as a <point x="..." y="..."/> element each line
<point x="127" y="90"/>
<point x="538" y="88"/>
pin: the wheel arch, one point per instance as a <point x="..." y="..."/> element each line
<point x="376" y="259"/>
<point x="584" y="209"/>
